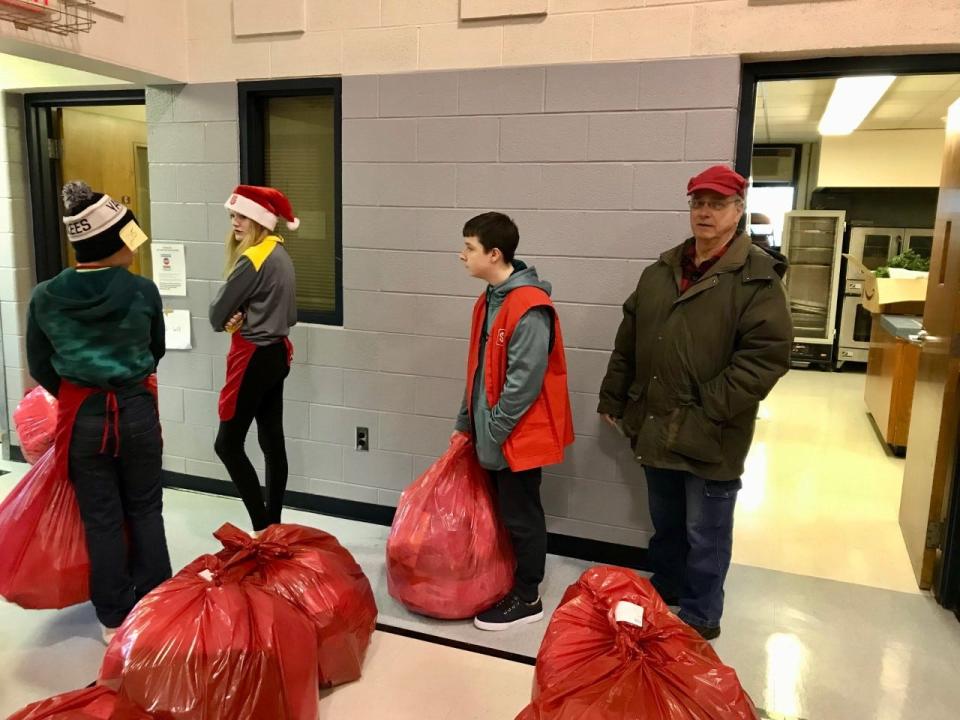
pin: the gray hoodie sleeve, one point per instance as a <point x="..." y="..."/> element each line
<point x="527" y="357"/>
<point x="463" y="417"/>
<point x="233" y="294"/>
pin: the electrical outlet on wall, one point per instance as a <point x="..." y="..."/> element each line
<point x="363" y="439"/>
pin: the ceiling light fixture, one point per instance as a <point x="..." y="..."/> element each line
<point x="852" y="100"/>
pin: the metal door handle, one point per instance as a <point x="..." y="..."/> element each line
<point x="919" y="339"/>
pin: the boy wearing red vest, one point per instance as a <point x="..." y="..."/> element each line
<point x="515" y="404"/>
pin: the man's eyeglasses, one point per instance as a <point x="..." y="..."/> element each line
<point x="698" y="203"/>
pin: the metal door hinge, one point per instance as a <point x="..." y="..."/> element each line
<point x="934" y="534"/>
<point x="54" y="148"/>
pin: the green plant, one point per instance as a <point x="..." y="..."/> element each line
<point x="908" y="260"/>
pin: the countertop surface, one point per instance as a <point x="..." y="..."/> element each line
<point x="901" y="326"/>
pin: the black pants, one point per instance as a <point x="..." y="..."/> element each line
<point x="518" y="497"/>
<point x="121" y="485"/>
<point x="260" y="398"/>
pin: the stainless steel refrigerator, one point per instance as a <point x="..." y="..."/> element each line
<point x="812" y="242"/>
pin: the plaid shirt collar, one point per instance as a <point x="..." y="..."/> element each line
<point x="690" y="272"/>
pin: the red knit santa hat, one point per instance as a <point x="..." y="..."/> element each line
<point x="263" y="205"/>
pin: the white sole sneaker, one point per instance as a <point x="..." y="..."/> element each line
<point x="497" y="627"/>
<point x="107" y="634"/>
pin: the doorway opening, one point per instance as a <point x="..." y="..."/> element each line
<point x="98" y="137"/>
<point x="843" y="481"/>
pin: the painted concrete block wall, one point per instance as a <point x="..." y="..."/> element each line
<point x="16" y="254"/>
<point x="138" y="41"/>
<point x="353" y="37"/>
<point x="591" y="161"/>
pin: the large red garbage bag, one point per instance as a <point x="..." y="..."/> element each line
<point x="44" y="562"/>
<point x="309" y="568"/>
<point x="448" y="554"/>
<point x="96" y="703"/>
<point x="205" y="645"/>
<point x="597" y="663"/>
<point x="36" y="421"/>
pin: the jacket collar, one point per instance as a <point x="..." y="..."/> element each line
<point x="738" y="256"/>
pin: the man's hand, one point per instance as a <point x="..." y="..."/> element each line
<point x="234" y="323"/>
<point x="609" y="420"/>
<point x="455" y="434"/>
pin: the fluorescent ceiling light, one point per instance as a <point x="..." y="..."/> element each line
<point x="852" y="100"/>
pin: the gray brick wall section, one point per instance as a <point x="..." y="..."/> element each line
<point x="16" y="263"/>
<point x="591" y="161"/>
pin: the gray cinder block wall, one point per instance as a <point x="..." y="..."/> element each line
<point x="16" y="258"/>
<point x="590" y="160"/>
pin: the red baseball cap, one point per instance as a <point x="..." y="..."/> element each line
<point x="718" y="178"/>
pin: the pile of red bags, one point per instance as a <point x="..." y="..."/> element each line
<point x="613" y="651"/>
<point x="309" y="568"/>
<point x="250" y="633"/>
<point x="448" y="554"/>
<point x="96" y="703"/>
<point x="204" y="645"/>
<point x="44" y="563"/>
<point x="36" y="421"/>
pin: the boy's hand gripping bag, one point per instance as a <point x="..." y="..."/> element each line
<point x="448" y="554"/>
<point x="96" y="703"/>
<point x="44" y="563"/>
<point x="310" y="569"/>
<point x="613" y="651"/>
<point x="207" y="645"/>
<point x="36" y="421"/>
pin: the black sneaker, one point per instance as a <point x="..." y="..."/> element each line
<point x="707" y="633"/>
<point x="509" y="612"/>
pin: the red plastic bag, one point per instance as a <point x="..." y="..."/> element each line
<point x="96" y="703"/>
<point x="44" y="563"/>
<point x="205" y="645"/>
<point x="448" y="554"/>
<point x="36" y="421"/>
<point x="309" y="568"/>
<point x="592" y="666"/>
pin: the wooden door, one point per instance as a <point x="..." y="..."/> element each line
<point x="933" y="436"/>
<point x="99" y="145"/>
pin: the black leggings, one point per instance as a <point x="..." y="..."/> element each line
<point x="260" y="398"/>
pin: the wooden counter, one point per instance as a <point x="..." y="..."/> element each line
<point x="891" y="374"/>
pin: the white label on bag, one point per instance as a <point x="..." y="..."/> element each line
<point x="628" y="612"/>
<point x="208" y="576"/>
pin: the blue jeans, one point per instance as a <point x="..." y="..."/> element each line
<point x="689" y="553"/>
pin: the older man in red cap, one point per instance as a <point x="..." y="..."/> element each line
<point x="705" y="336"/>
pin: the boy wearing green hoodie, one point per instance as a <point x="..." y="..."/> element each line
<point x="95" y="334"/>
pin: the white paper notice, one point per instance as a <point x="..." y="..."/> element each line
<point x="170" y="269"/>
<point x="177" y="326"/>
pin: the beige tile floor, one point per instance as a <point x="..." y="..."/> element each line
<point x="820" y="494"/>
<point x="416" y="679"/>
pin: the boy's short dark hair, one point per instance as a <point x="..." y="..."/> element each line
<point x="494" y="230"/>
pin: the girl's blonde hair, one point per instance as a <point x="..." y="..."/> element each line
<point x="235" y="248"/>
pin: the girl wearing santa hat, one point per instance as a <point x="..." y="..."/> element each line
<point x="258" y="306"/>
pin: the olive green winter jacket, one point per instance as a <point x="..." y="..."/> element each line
<point x="689" y="370"/>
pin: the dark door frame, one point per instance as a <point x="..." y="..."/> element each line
<point x="46" y="208"/>
<point x="946" y="586"/>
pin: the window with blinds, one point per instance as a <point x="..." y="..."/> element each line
<point x="290" y="139"/>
